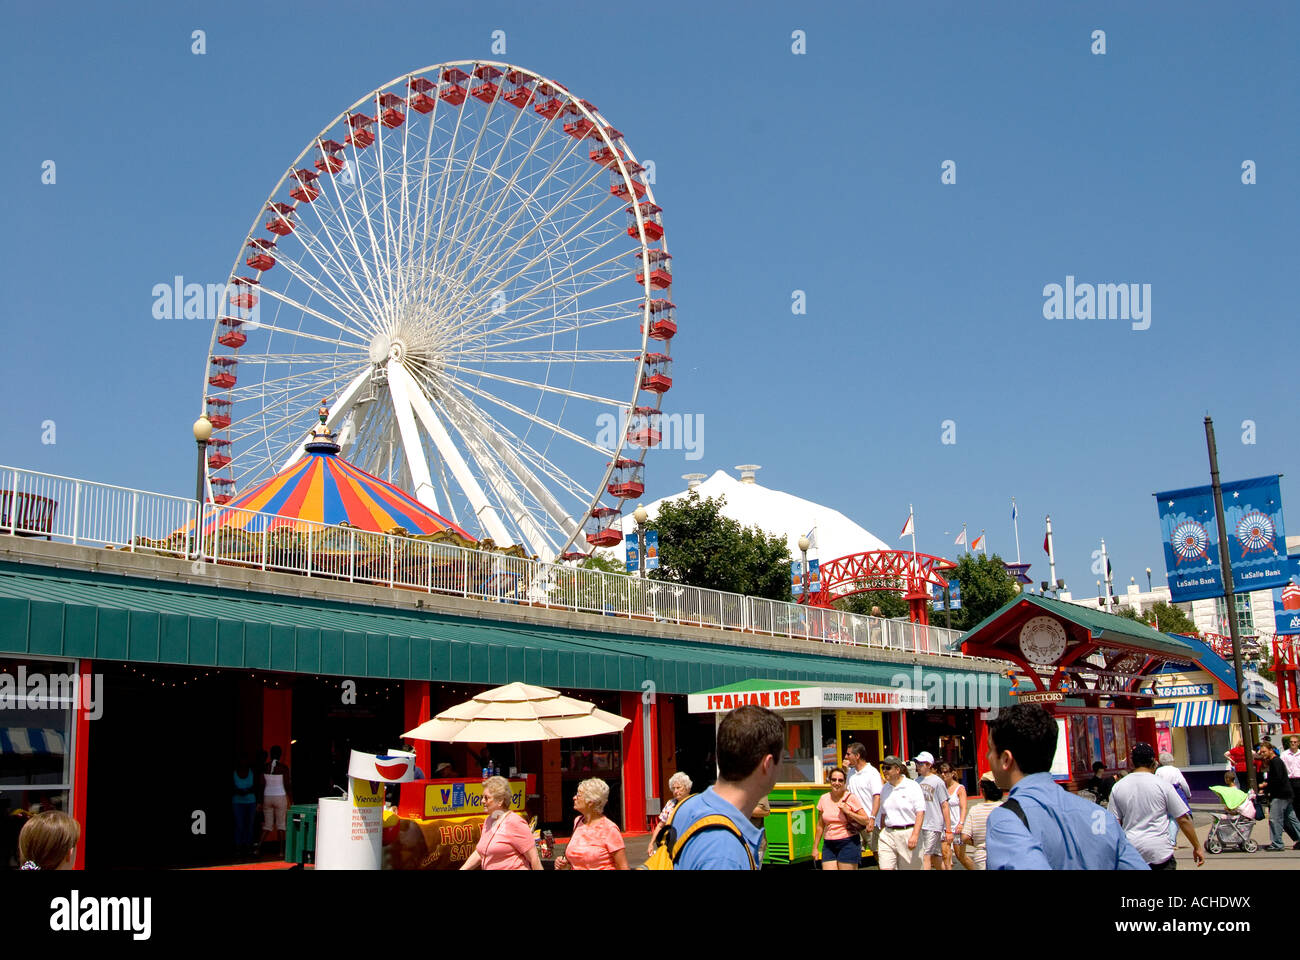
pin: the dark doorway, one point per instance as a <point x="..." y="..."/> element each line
<point x="696" y="744"/>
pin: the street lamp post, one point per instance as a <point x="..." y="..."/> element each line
<point x="804" y="544"/>
<point x="640" y="516"/>
<point x="202" y="433"/>
<point x="1148" y="579"/>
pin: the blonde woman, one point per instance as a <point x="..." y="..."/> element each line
<point x="506" y="843"/>
<point x="679" y="784"/>
<point x="957" y="807"/>
<point x="596" y="843"/>
<point x="48" y="841"/>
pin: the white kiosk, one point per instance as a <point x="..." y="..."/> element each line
<point x="349" y="830"/>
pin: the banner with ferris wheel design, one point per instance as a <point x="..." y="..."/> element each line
<point x="1256" y="538"/>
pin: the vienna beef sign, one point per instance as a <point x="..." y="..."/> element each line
<point x="806" y="698"/>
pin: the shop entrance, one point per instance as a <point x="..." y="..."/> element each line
<point x="949" y="735"/>
<point x="696" y="743"/>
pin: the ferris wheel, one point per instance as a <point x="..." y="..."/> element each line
<point x="469" y="266"/>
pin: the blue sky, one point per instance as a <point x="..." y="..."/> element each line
<point x="777" y="172"/>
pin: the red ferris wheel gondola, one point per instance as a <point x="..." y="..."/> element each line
<point x="602" y="527"/>
<point x="628" y="479"/>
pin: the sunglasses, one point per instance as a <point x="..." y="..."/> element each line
<point x="837" y="779"/>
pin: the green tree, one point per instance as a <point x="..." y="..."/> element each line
<point x="985" y="587"/>
<point x="890" y="602"/>
<point x="1171" y="619"/>
<point x="604" y="563"/>
<point x="701" y="547"/>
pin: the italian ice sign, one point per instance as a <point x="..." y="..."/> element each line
<point x="1256" y="538"/>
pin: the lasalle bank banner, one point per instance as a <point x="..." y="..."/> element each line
<point x="1256" y="538"/>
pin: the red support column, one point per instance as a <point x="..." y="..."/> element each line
<point x="666" y="721"/>
<point x="553" y="799"/>
<point x="81" y="753"/>
<point x="416" y="709"/>
<point x="902" y="736"/>
<point x="1285" y="673"/>
<point x="634" y="757"/>
<point x="981" y="743"/>
<point x="277" y="721"/>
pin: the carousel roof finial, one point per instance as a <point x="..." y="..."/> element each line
<point x="322" y="440"/>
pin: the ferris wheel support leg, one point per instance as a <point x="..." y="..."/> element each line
<point x="451" y="456"/>
<point x="529" y="480"/>
<point x="338" y="412"/>
<point x="421" y="480"/>
<point x="537" y="539"/>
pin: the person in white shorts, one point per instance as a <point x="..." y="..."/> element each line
<point x="902" y="810"/>
<point x="938" y="826"/>
<point x="275" y="798"/>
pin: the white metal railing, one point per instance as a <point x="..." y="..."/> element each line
<point x="84" y="512"/>
<point x="97" y="514"/>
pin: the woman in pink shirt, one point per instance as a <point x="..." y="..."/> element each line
<point x="840" y="817"/>
<point x="596" y="843"/>
<point x="506" y="843"/>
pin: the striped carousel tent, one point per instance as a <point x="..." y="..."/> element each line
<point x="324" y="488"/>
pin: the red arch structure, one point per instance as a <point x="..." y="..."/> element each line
<point x="844" y="577"/>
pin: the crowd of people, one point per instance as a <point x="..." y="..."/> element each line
<point x="1024" y="819"/>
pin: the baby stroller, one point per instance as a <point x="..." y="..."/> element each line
<point x="1232" y="829"/>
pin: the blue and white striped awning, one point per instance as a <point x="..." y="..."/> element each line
<point x="1202" y="713"/>
<point x="29" y="741"/>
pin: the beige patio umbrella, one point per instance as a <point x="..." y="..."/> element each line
<point x="517" y="712"/>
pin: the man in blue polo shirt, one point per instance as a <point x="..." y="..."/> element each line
<point x="1042" y="826"/>
<point x="750" y="744"/>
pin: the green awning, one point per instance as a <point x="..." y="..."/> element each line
<point x="1102" y="626"/>
<point x="105" y="617"/>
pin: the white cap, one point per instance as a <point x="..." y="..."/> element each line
<point x="925" y="756"/>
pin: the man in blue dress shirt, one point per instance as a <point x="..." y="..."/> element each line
<point x="1055" y="829"/>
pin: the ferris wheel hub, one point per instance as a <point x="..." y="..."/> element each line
<point x="387" y="346"/>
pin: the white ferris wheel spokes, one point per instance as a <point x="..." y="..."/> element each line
<point x="469" y="265"/>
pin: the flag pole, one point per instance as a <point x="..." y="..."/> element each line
<point x="1015" y="522"/>
<point x="913" y="516"/>
<point x="1051" y="554"/>
<point x="984" y="542"/>
<point x="965" y="540"/>
<point x="1105" y="563"/>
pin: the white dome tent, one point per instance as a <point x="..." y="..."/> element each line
<point x="777" y="512"/>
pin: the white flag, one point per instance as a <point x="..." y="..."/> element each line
<point x="961" y="538"/>
<point x="907" y="528"/>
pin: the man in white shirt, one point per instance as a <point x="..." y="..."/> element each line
<point x="1174" y="777"/>
<point x="1291" y="759"/>
<point x="938" y="827"/>
<point x="902" y="811"/>
<point x="1144" y="804"/>
<point x="865" y="783"/>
